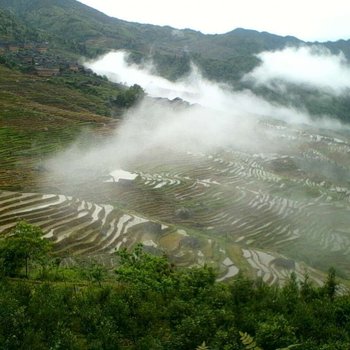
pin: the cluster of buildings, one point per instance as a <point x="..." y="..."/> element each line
<point x="36" y="58"/>
<point x="16" y="47"/>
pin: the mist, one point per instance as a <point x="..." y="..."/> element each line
<point x="262" y="174"/>
<point x="218" y="118"/>
<point x="314" y="67"/>
<point x="195" y="89"/>
<point x="156" y="127"/>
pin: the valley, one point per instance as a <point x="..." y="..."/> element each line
<point x="163" y="188"/>
<point x="277" y="206"/>
<point x="272" y="198"/>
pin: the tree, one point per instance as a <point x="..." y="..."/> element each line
<point x="307" y="290"/>
<point x="330" y="286"/>
<point x="22" y="246"/>
<point x="94" y="272"/>
<point x="139" y="267"/>
<point x="290" y="293"/>
<point x="129" y="97"/>
<point x="275" y="332"/>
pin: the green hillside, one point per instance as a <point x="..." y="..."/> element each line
<point x="74" y="30"/>
<point x="40" y="116"/>
<point x="89" y="32"/>
<point x="12" y="29"/>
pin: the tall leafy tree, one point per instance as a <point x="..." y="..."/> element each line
<point x="24" y="245"/>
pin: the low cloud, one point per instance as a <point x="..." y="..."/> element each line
<point x="192" y="88"/>
<point x="314" y="67"/>
<point x="219" y="118"/>
<point x="195" y="89"/>
<point x="155" y="128"/>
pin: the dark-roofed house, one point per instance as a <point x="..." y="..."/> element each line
<point x="3" y="48"/>
<point x="28" y="46"/>
<point x="47" y="72"/>
<point x="42" y="48"/>
<point x="14" y="47"/>
<point x="73" y="67"/>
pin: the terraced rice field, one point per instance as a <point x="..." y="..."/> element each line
<point x="289" y="198"/>
<point x="78" y="227"/>
<point x="278" y="206"/>
<point x="72" y="224"/>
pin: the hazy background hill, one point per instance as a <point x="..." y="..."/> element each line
<point x="13" y="29"/>
<point x="77" y="30"/>
<point x="86" y="31"/>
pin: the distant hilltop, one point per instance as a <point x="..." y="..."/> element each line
<point x="35" y="57"/>
<point x="75" y="30"/>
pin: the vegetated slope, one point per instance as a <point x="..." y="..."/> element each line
<point x="267" y="210"/>
<point x="207" y="209"/>
<point x="90" y="32"/>
<point x="12" y="29"/>
<point x="147" y="303"/>
<point x="40" y="116"/>
<point x="78" y="30"/>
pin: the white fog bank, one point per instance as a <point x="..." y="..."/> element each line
<point x="219" y="118"/>
<point x="193" y="88"/>
<point x="315" y="67"/>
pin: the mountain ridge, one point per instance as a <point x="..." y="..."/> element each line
<point x="77" y="30"/>
<point x="81" y="30"/>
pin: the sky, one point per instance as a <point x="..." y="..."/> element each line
<point x="309" y="20"/>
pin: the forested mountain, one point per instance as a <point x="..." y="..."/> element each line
<point x="89" y="32"/>
<point x="12" y="29"/>
<point x="78" y="30"/>
<point x="87" y="27"/>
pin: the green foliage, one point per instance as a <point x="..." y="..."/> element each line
<point x="128" y="97"/>
<point x="202" y="347"/>
<point x="148" y="272"/>
<point x="23" y="246"/>
<point x="318" y="102"/>
<point x="248" y="341"/>
<point x="12" y="29"/>
<point x="94" y="272"/>
<point x="172" y="66"/>
<point x="275" y="332"/>
<point x="150" y="304"/>
<point x="290" y="293"/>
<point x="307" y="289"/>
<point x="330" y="286"/>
